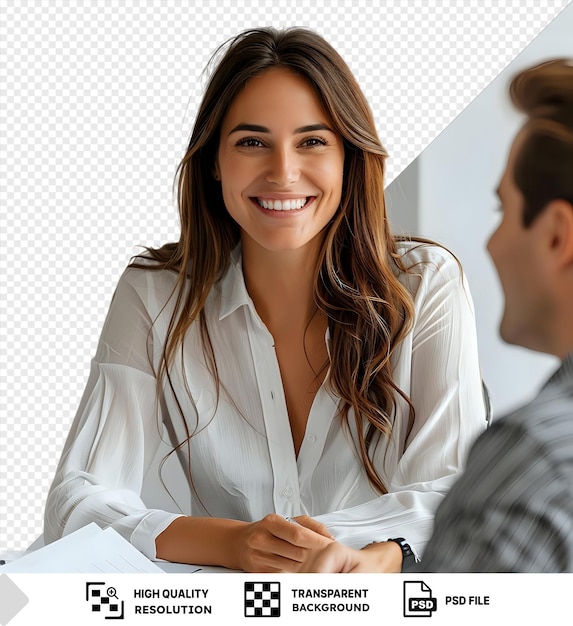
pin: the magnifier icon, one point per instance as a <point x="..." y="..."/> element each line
<point x="111" y="592"/>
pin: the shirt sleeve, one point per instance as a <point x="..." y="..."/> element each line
<point x="438" y="365"/>
<point x="511" y="511"/>
<point x="115" y="435"/>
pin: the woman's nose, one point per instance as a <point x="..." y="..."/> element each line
<point x="283" y="167"/>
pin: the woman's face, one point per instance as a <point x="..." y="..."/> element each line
<point x="280" y="162"/>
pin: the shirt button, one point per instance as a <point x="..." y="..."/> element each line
<point x="312" y="438"/>
<point x="287" y="492"/>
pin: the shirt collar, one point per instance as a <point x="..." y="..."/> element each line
<point x="564" y="373"/>
<point x="233" y="289"/>
<point x="234" y="292"/>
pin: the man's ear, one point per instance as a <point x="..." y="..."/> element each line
<point x="560" y="232"/>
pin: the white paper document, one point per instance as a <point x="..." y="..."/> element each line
<point x="88" y="550"/>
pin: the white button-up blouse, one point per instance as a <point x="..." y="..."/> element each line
<point x="240" y="463"/>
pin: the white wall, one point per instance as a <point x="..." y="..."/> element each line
<point x="448" y="194"/>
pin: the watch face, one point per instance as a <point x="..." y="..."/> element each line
<point x="407" y="552"/>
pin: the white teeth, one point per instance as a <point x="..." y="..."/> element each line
<point x="282" y="205"/>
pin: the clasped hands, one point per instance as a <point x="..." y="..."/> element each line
<point x="275" y="544"/>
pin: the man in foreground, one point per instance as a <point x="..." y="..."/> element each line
<point x="512" y="509"/>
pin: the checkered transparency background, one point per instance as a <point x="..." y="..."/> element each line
<point x="97" y="104"/>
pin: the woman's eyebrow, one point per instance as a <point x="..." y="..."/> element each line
<point x="255" y="128"/>
<point x="312" y="127"/>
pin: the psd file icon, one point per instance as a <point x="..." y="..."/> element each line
<point x="418" y="600"/>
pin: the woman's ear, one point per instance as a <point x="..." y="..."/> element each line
<point x="216" y="174"/>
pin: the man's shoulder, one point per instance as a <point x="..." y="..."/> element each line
<point x="547" y="419"/>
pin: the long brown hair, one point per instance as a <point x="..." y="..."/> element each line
<point x="369" y="311"/>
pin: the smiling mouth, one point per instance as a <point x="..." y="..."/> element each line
<point x="292" y="204"/>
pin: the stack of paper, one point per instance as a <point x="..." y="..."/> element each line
<point x="88" y="550"/>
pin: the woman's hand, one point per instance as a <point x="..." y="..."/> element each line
<point x="275" y="544"/>
<point x="312" y="524"/>
<point x="338" y="558"/>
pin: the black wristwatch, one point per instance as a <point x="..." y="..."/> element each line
<point x="408" y="557"/>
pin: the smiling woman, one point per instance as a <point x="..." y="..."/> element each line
<point x="282" y="177"/>
<point x="300" y="360"/>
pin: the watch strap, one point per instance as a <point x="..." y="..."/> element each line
<point x="408" y="556"/>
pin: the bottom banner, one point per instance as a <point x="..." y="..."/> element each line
<point x="92" y="599"/>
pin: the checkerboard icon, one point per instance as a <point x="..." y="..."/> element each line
<point x="262" y="599"/>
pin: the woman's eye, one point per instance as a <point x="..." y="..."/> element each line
<point x="250" y="142"/>
<point x="313" y="142"/>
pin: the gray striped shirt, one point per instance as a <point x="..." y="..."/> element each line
<point x="512" y="508"/>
